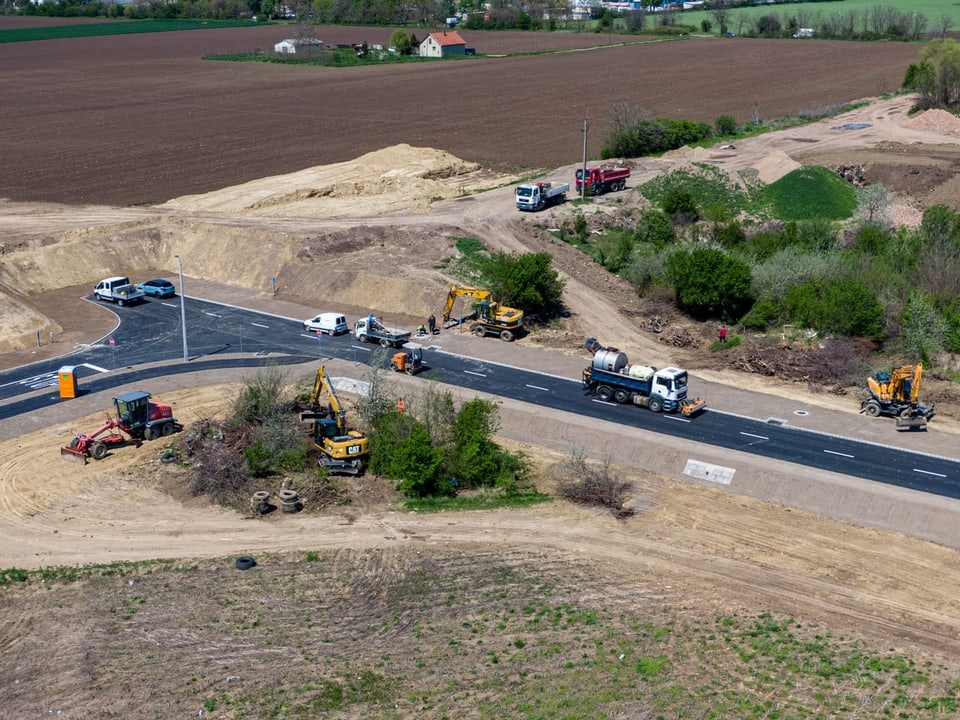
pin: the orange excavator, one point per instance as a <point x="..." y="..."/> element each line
<point x="137" y="419"/>
<point x="897" y="394"/>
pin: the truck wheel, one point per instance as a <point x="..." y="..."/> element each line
<point x="655" y="404"/>
<point x="98" y="451"/>
<point x="621" y="396"/>
<point x="540" y="205"/>
<point x="384" y="343"/>
<point x="604" y="393"/>
<point x="153" y="432"/>
<point x="872" y="409"/>
<point x="506" y="336"/>
<point x="362" y="338"/>
<point x="121" y="303"/>
<point x="168" y="429"/>
<point x="479" y="331"/>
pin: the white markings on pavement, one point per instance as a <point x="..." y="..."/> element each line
<point x="834" y="452"/>
<point x="259" y="325"/>
<point x="929" y="472"/>
<point x="604" y="402"/>
<point x="173" y="305"/>
<point x="758" y="437"/>
<point x="211" y="314"/>
<point x="95" y="367"/>
<point x="537" y="387"/>
<point x="360" y="347"/>
<point x="677" y="418"/>
<point x="471" y="372"/>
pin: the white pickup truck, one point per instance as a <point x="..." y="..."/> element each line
<point x="118" y="290"/>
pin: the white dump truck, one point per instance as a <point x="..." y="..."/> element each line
<point x="540" y="195"/>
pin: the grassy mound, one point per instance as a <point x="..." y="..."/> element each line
<point x="811" y="192"/>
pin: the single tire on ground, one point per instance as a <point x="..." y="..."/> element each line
<point x="288" y="495"/>
<point x="168" y="456"/>
<point x="245" y="562"/>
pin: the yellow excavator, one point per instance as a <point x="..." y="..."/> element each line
<point x="342" y="450"/>
<point x="897" y="394"/>
<point x="487" y="317"/>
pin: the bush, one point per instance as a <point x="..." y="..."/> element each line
<point x="593" y="483"/>
<point x="654" y="228"/>
<point x="709" y="284"/>
<point x="725" y="125"/>
<point x="526" y="281"/>
<point x="843" y="305"/>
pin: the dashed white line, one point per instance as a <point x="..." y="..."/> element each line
<point x="929" y="472"/>
<point x="259" y="325"/>
<point x="95" y="367"/>
<point x="173" y="305"/>
<point x="211" y="314"/>
<point x="361" y="347"/>
<point x="677" y="418"/>
<point x="758" y="437"/>
<point x="537" y="387"/>
<point x="604" y="402"/>
<point x="834" y="452"/>
<point x="471" y="372"/>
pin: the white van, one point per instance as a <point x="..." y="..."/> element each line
<point x="328" y="323"/>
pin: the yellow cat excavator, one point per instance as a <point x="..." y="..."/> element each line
<point x="488" y="317"/>
<point x="342" y="450"/>
<point x="897" y="394"/>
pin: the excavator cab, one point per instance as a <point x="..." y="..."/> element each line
<point x="408" y="360"/>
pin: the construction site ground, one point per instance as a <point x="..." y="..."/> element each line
<point x="864" y="560"/>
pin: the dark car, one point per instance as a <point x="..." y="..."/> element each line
<point x="158" y="288"/>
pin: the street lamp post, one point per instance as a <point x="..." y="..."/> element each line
<point x="583" y="175"/>
<point x="183" y="310"/>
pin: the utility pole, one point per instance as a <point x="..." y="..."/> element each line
<point x="583" y="175"/>
<point x="183" y="310"/>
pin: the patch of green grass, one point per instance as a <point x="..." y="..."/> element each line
<point x="731" y="342"/>
<point x="479" y="501"/>
<point x="709" y="186"/>
<point x="811" y="192"/>
<point x="115" y="27"/>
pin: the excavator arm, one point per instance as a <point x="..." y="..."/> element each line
<point x="476" y="294"/>
<point x="321" y="386"/>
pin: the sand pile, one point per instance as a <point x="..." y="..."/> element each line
<point x="774" y="166"/>
<point x="935" y="120"/>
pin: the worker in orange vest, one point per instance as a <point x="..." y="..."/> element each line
<point x="401" y="406"/>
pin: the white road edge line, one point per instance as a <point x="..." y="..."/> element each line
<point x="929" y="472"/>
<point x="537" y="387"/>
<point x="758" y="437"/>
<point x="471" y="372"/>
<point x="834" y="452"/>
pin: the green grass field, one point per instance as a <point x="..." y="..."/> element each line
<point x="932" y="9"/>
<point x="114" y="27"/>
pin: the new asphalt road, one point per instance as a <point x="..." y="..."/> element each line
<point x="152" y="332"/>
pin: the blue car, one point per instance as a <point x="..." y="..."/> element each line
<point x="157" y="288"/>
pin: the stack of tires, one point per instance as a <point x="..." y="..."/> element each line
<point x="260" y="503"/>
<point x="289" y="502"/>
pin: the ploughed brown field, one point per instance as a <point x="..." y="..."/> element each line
<point x="139" y="119"/>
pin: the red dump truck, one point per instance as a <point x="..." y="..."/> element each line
<point x="604" y="179"/>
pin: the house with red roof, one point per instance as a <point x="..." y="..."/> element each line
<point x="443" y="44"/>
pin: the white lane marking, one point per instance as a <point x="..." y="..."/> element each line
<point x="259" y="325"/>
<point x="173" y="305"/>
<point x="211" y="314"/>
<point x="537" y="387"/>
<point x="360" y="347"/>
<point x="33" y="380"/>
<point x="471" y="372"/>
<point x="834" y="452"/>
<point x="929" y="472"/>
<point x="758" y="437"/>
<point x="677" y="418"/>
<point x="95" y="367"/>
<point x="604" y="402"/>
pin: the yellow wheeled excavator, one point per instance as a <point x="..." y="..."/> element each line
<point x="487" y="316"/>
<point x="342" y="451"/>
<point x="897" y="394"/>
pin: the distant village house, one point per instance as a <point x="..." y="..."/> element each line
<point x="443" y="44"/>
<point x="290" y="47"/>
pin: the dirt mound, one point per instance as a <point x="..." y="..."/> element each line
<point x="774" y="166"/>
<point x="396" y="178"/>
<point x="935" y="120"/>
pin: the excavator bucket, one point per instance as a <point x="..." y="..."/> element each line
<point x="689" y="408"/>
<point x="73" y="455"/>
